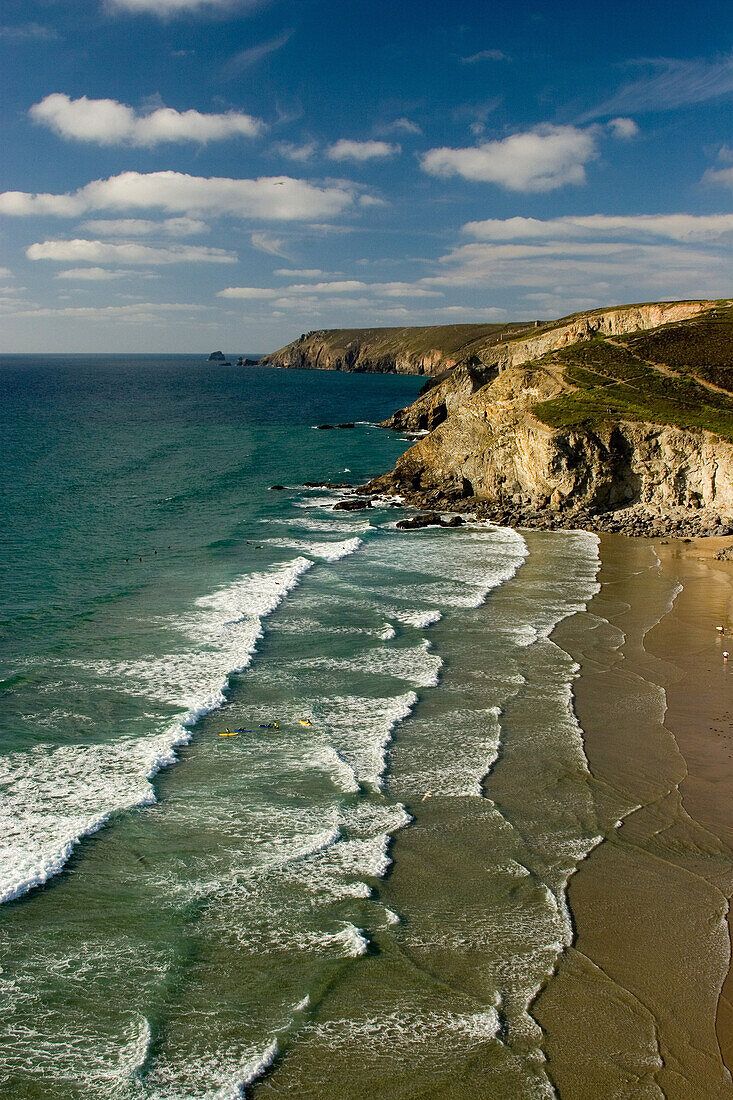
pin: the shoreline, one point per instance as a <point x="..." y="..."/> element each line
<point x="642" y="1002"/>
<point x="635" y="520"/>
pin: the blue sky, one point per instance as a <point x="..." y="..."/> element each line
<point x="181" y="175"/>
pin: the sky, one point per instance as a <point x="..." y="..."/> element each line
<point x="188" y="175"/>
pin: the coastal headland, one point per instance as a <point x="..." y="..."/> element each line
<point x="617" y="419"/>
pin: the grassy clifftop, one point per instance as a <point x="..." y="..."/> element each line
<point x="678" y="374"/>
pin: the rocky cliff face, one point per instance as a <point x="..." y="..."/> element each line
<point x="434" y="350"/>
<point x="485" y="443"/>
<point x="488" y="359"/>
<point x="325" y="351"/>
<point x="491" y="446"/>
<point x="607" y="322"/>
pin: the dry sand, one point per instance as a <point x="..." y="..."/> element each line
<point x="636" y="1008"/>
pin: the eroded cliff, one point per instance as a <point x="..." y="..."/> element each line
<point x="586" y="426"/>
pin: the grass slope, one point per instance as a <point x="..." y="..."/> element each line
<point x="649" y="377"/>
<point x="702" y="348"/>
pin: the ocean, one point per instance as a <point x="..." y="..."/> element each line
<point x="363" y="892"/>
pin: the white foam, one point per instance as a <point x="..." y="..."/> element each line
<point x="339" y="769"/>
<point x="326" y="551"/>
<point x="360" y="729"/>
<point x="135" y="1052"/>
<point x="251" y="1071"/>
<point x="397" y="1036"/>
<point x="419" y="619"/>
<point x="53" y="797"/>
<point x="387" y="633"/>
<point x="416" y="665"/>
<point x="352" y="939"/>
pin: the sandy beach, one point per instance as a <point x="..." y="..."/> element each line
<point x="641" y="1003"/>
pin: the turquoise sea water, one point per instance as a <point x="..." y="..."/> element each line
<point x="190" y="916"/>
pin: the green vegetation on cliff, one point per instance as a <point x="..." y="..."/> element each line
<point x="703" y="348"/>
<point x="650" y="377"/>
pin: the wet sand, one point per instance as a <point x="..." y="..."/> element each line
<point x="642" y="1003"/>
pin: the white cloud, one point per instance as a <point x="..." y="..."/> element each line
<point x="677" y="227"/>
<point x="306" y="273"/>
<point x="400" y="126"/>
<point x="137" y="312"/>
<point x="97" y="252"/>
<point x="609" y="270"/>
<point x="107" y="122"/>
<point x="266" y="242"/>
<point x="140" y="227"/>
<point x="278" y="198"/>
<point x="245" y="59"/>
<point x="167" y="8"/>
<point x="248" y="292"/>
<point x="721" y="176"/>
<point x="292" y="151"/>
<point x="90" y="274"/>
<point x="335" y="287"/>
<point x="538" y="160"/>
<point x="486" y="55"/>
<point x="362" y="150"/>
<point x="623" y="128"/>
<point x="6" y="273"/>
<point x="670" y="83"/>
<point x="27" y="32"/>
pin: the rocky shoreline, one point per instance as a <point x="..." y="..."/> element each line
<point x="635" y="521"/>
<point x="437" y="509"/>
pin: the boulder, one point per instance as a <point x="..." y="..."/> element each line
<point x="352" y="504"/>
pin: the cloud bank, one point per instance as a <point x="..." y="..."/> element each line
<point x="337" y="287"/>
<point x="676" y="227"/>
<point x="142" y="227"/>
<point x="166" y="8"/>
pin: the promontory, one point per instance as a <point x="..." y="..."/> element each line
<point x="615" y="419"/>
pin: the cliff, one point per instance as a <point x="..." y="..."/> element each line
<point x="436" y="349"/>
<point x="429" y="350"/>
<point x="625" y="412"/>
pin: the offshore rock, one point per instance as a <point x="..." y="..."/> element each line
<point x="429" y="519"/>
<point x="352" y="504"/>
